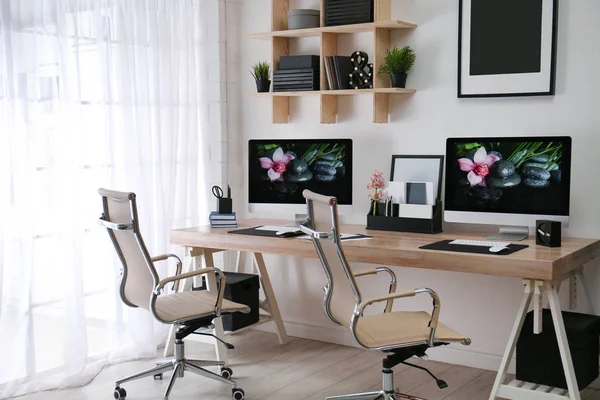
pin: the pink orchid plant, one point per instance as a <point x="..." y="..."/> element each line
<point x="376" y="186"/>
<point x="277" y="165"/>
<point x="479" y="168"/>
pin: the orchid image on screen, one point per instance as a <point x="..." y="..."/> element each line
<point x="277" y="165"/>
<point x="280" y="170"/>
<point x="508" y="176"/>
<point x="479" y="167"/>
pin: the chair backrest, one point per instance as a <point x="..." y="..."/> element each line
<point x="121" y="221"/>
<point x="342" y="293"/>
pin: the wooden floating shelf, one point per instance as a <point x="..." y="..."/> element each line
<point x="279" y="39"/>
<point x="341" y="29"/>
<point x="347" y="92"/>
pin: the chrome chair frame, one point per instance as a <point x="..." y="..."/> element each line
<point x="179" y="363"/>
<point x="387" y="392"/>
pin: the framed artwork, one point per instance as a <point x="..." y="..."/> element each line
<point x="507" y="48"/>
<point x="417" y="168"/>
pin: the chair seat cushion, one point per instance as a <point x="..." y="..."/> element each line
<point x="401" y="327"/>
<point x="185" y="305"/>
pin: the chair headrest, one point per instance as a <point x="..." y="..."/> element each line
<point x="319" y="198"/>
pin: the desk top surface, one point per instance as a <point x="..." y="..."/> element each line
<point x="402" y="249"/>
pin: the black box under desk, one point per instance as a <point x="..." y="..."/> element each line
<point x="243" y="289"/>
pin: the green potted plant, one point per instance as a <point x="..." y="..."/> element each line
<point x="397" y="64"/>
<point x="261" y="71"/>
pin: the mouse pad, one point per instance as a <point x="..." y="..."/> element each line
<point x="461" y="248"/>
<point x="258" y="232"/>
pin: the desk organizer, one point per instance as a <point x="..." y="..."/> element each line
<point x="401" y="224"/>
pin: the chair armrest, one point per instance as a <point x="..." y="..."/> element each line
<point x="315" y="234"/>
<point x="163" y="257"/>
<point x="361" y="307"/>
<point x="222" y="281"/>
<point x="409" y="293"/>
<point x="115" y="226"/>
<point x="393" y="282"/>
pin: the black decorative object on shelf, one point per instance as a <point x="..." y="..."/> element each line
<point x="361" y="76"/>
<point x="348" y="12"/>
<point x="498" y="62"/>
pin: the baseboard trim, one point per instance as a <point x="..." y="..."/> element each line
<point x="452" y="355"/>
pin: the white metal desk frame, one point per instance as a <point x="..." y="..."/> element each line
<point x="535" y="290"/>
<point x="269" y="306"/>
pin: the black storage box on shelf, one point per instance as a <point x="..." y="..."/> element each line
<point x="538" y="357"/>
<point x="298" y="62"/>
<point x="299" y="79"/>
<point x="401" y="224"/>
<point x="243" y="289"/>
<point x="347" y="12"/>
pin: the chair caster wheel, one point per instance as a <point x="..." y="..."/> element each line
<point x="237" y="394"/>
<point x="158" y="377"/>
<point x="226" y="372"/>
<point x="120" y="393"/>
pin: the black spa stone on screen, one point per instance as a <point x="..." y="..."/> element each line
<point x="506" y="37"/>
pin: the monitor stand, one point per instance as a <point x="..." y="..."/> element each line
<point x="511" y="233"/>
<point x="298" y="220"/>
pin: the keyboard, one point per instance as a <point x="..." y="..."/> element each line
<point x="482" y="243"/>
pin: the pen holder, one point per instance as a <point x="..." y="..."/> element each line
<point x="224" y="205"/>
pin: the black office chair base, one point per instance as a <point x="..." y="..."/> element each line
<point x="388" y="392"/>
<point x="179" y="364"/>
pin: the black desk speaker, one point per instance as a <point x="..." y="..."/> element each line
<point x="547" y="233"/>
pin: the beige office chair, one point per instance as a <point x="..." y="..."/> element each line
<point x="142" y="287"/>
<point x="399" y="335"/>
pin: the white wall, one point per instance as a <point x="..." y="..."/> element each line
<point x="481" y="306"/>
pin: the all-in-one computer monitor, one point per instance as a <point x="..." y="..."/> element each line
<point x="511" y="182"/>
<point x="279" y="171"/>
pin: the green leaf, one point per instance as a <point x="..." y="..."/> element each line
<point x="398" y="61"/>
<point x="261" y="71"/>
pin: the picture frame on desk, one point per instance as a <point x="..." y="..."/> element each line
<point x="419" y="168"/>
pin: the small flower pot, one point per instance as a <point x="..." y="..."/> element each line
<point x="398" y="80"/>
<point x="263" y="86"/>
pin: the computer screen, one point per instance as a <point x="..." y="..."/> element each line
<point x="526" y="175"/>
<point x="279" y="170"/>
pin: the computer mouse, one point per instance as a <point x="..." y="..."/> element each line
<point x="497" y="249"/>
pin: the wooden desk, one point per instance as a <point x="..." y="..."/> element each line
<point x="542" y="270"/>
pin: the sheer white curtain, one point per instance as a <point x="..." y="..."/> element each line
<point x="93" y="93"/>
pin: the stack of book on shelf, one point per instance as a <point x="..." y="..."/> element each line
<point x="297" y="73"/>
<point x="347" y="12"/>
<point x="338" y="70"/>
<point x="223" y="220"/>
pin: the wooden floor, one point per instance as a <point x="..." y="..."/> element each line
<point x="301" y="369"/>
